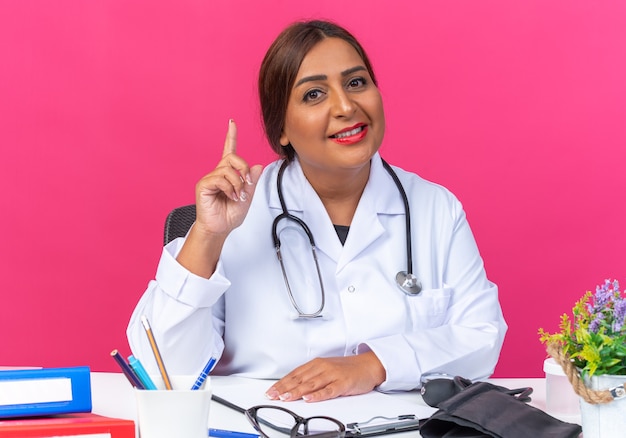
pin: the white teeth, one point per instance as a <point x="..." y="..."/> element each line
<point x="349" y="133"/>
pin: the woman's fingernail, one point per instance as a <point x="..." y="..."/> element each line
<point x="307" y="397"/>
<point x="248" y="179"/>
<point x="243" y="196"/>
<point x="272" y="394"/>
<point x="286" y="396"/>
<point x="235" y="197"/>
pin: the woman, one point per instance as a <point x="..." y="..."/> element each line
<point x="347" y="328"/>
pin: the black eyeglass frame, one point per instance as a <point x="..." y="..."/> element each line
<point x="251" y="415"/>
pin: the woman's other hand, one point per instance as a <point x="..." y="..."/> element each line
<point x="327" y="378"/>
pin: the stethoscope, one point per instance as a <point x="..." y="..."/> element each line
<point x="406" y="281"/>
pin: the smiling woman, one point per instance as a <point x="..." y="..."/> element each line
<point x="222" y="292"/>
<point x="335" y="120"/>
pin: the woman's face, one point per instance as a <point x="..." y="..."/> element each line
<point x="335" y="118"/>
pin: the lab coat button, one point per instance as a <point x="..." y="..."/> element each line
<point x="351" y="289"/>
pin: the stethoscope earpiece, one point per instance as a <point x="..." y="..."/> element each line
<point x="408" y="283"/>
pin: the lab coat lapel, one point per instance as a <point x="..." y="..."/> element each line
<point x="379" y="197"/>
<point x="303" y="202"/>
<point x="326" y="238"/>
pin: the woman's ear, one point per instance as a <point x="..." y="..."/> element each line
<point x="284" y="140"/>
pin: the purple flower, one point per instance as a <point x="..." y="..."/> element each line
<point x="607" y="308"/>
<point x="604" y="295"/>
<point x="595" y="324"/>
<point x="619" y="314"/>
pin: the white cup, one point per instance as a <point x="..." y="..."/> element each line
<point x="180" y="412"/>
<point x="561" y="400"/>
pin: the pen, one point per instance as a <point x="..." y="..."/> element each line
<point x="219" y="433"/>
<point x="140" y="371"/>
<point x="401" y="423"/>
<point x="203" y="375"/>
<point x="155" y="350"/>
<point x="128" y="372"/>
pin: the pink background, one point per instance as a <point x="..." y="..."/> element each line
<point x="110" y="111"/>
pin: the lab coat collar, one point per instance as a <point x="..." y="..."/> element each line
<point x="380" y="197"/>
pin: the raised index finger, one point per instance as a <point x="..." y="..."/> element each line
<point x="230" y="145"/>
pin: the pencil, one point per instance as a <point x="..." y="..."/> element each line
<point x="128" y="372"/>
<point x="155" y="350"/>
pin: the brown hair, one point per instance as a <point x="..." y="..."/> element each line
<point x="280" y="67"/>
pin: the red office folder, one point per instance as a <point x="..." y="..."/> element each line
<point x="67" y="425"/>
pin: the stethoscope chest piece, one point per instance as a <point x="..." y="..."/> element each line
<point x="408" y="283"/>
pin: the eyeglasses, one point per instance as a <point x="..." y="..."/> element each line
<point x="274" y="421"/>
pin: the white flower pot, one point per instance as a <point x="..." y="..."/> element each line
<point x="607" y="420"/>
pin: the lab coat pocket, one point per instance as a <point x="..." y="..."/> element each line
<point x="429" y="308"/>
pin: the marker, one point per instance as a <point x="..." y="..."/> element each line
<point x="220" y="433"/>
<point x="203" y="375"/>
<point x="126" y="369"/>
<point x="155" y="350"/>
<point x="141" y="372"/>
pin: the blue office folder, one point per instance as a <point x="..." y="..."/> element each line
<point x="44" y="391"/>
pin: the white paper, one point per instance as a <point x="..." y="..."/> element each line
<point x="27" y="391"/>
<point x="246" y="393"/>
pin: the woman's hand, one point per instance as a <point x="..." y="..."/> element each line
<point x="222" y="201"/>
<point x="326" y="378"/>
<point x="223" y="196"/>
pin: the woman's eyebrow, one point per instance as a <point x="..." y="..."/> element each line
<point x="352" y="70"/>
<point x="311" y="79"/>
<point x="324" y="77"/>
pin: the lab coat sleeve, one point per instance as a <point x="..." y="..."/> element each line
<point x="179" y="306"/>
<point x="469" y="340"/>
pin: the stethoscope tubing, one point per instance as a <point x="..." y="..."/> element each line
<point x="407" y="211"/>
<point x="286" y="215"/>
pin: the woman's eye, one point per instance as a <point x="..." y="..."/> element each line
<point x="312" y="95"/>
<point x="356" y="82"/>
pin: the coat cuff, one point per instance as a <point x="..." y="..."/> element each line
<point x="399" y="362"/>
<point x="187" y="287"/>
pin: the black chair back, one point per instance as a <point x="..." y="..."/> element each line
<point x="178" y="222"/>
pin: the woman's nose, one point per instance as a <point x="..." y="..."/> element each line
<point x="342" y="104"/>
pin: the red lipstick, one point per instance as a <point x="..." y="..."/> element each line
<point x="351" y="135"/>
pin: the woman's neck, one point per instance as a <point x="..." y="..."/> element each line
<point x="340" y="191"/>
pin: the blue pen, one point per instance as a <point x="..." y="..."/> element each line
<point x="219" y="433"/>
<point x="141" y="372"/>
<point x="203" y="375"/>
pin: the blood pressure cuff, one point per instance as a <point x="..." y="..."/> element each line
<point x="483" y="410"/>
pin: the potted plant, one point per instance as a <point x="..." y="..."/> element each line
<point x="591" y="348"/>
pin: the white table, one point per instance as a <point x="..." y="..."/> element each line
<point x="113" y="396"/>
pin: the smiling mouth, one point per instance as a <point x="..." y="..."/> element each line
<point x="349" y="133"/>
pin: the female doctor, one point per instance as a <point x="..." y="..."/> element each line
<point x="366" y="292"/>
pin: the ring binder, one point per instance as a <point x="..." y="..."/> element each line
<point x="44" y="391"/>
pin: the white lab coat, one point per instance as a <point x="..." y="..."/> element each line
<point x="243" y="314"/>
